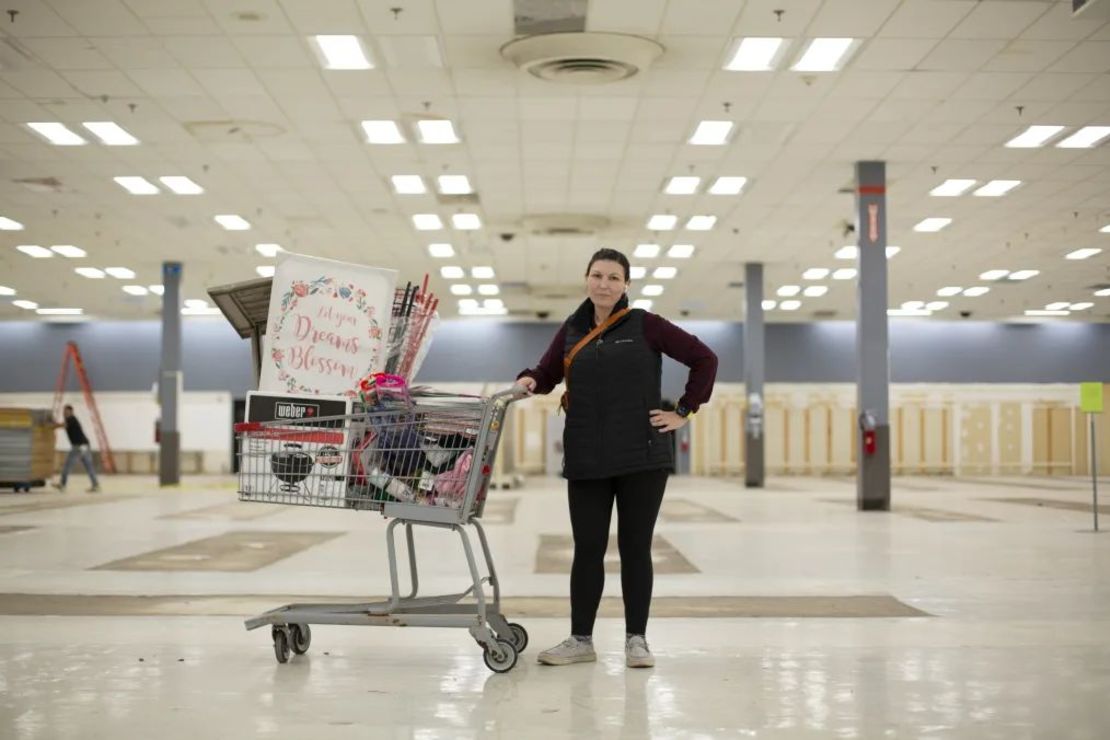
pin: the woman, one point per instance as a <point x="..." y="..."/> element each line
<point x="617" y="444"/>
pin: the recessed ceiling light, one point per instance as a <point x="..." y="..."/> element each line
<point x="994" y="274"/>
<point x="382" y="132"/>
<point x="727" y="185"/>
<point x="268" y="249"/>
<point x="232" y="222"/>
<point x="913" y="305"/>
<point x="1033" y="137"/>
<point x="342" y="52"/>
<point x="768" y="305"/>
<point x="1057" y="306"/>
<point x="90" y="272"/>
<point x="1104" y="230"/>
<point x="461" y="289"/>
<point x="1103" y="292"/>
<point x="646" y="251"/>
<point x="59" y="311"/>
<point x="157" y="289"/>
<point x="662" y="222"/>
<point x="452" y="272"/>
<point x="642" y="303"/>
<point x="137" y="185"/>
<point x="135" y="290"/>
<point x="493" y="304"/>
<point x="891" y="251"/>
<point x="664" y="273"/>
<point x="110" y="133"/>
<point x="181" y="185"/>
<point x="1082" y="254"/>
<point x="56" y="133"/>
<point x="681" y="251"/>
<point x="951" y="290"/>
<point x="711" y="133"/>
<point x="977" y="291"/>
<point x="482" y="273"/>
<point x="932" y="224"/>
<point x="815" y="291"/>
<point x="790" y="305"/>
<point x="7" y="224"/>
<point x="1082" y="306"/>
<point x="789" y="290"/>
<point x="427" y="222"/>
<point x="408" y="184"/>
<point x="936" y="305"/>
<point x="201" y="311"/>
<point x="1085" y="138"/>
<point x="25" y="305"/>
<point x="637" y="273"/>
<point x="824" y="55"/>
<point x="652" y="290"/>
<point x="436" y="131"/>
<point x="441" y="250"/>
<point x="755" y="54"/>
<point x="904" y="312"/>
<point x="847" y="253"/>
<point x="1024" y="274"/>
<point x="468" y="303"/>
<point x="682" y="185"/>
<point x="466" y="221"/>
<point x="996" y="188"/>
<point x="815" y="273"/>
<point x="454" y="185"/>
<point x="195" y="303"/>
<point x="5" y="290"/>
<point x="120" y="273"/>
<point x="68" y="250"/>
<point x="701" y="223"/>
<point x="1045" y="312"/>
<point x="951" y="188"/>
<point x="844" y="273"/>
<point x="266" y="271"/>
<point x="34" y="250"/>
<point x="489" y="289"/>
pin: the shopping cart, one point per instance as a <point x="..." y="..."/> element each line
<point x="421" y="460"/>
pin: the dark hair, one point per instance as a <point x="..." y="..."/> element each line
<point x="67" y="406"/>
<point x="611" y="255"/>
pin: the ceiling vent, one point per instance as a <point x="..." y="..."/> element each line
<point x="582" y="58"/>
<point x="564" y="224"/>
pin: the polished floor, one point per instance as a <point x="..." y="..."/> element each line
<point x="975" y="609"/>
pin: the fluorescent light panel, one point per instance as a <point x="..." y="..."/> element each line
<point x="996" y="188"/>
<point x="34" y="250"/>
<point x="993" y="274"/>
<point x="268" y="249"/>
<point x="756" y="54"/>
<point x="642" y="303"/>
<point x="682" y="185"/>
<point x="482" y="273"/>
<point x="181" y="185"/>
<point x="438" y="131"/>
<point x="427" y="222"/>
<point x="454" y="185"/>
<point x="441" y="250"/>
<point x="90" y="272"/>
<point x="7" y="224"/>
<point x="1057" y="306"/>
<point x="1082" y="254"/>
<point x="729" y="185"/>
<point x="932" y="224"/>
<point x="466" y="221"/>
<point x="1024" y="274"/>
<point x="382" y="132"/>
<point x="949" y="291"/>
<point x="157" y="289"/>
<point x="59" y="311"/>
<point x="137" y="185"/>
<point x="266" y="271"/>
<point x="701" y="223"/>
<point x="847" y="253"/>
<point x="952" y="188"/>
<point x="815" y="273"/>
<point x="135" y="290"/>
<point x="844" y="273"/>
<point x="662" y="222"/>
<point x="1039" y="312"/>
<point x="1033" y="137"/>
<point x="976" y="291"/>
<point x="824" y="55"/>
<point x="56" y="133"/>
<point x="790" y="305"/>
<point x="664" y="273"/>
<point x="120" y="273"/>
<point x="652" y="290"/>
<point x="712" y="133"/>
<point x="768" y="305"/>
<point x="488" y="289"/>
<point x="342" y="52"/>
<point x="69" y="251"/>
<point x="936" y="305"/>
<point x="815" y="291"/>
<point x="906" y="312"/>
<point x="5" y="290"/>
<point x="1082" y="306"/>
<point x="789" y="290"/>
<point x="1085" y="138"/>
<point x="408" y="184"/>
<point x="681" y="251"/>
<point x="461" y="289"/>
<point x="646" y="251"/>
<point x="25" y="305"/>
<point x="452" y="272"/>
<point x="232" y="222"/>
<point x="637" y="273"/>
<point x="1103" y="293"/>
<point x="110" y="133"/>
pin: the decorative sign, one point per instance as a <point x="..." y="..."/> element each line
<point x="327" y="326"/>
<point x="1090" y="398"/>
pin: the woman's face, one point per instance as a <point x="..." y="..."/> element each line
<point x="605" y="283"/>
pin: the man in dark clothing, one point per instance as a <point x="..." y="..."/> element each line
<point x="78" y="447"/>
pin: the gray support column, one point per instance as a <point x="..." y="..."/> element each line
<point x="873" y="384"/>
<point x="753" y="374"/>
<point x="169" y="380"/>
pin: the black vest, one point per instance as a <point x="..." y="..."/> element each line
<point x="613" y="383"/>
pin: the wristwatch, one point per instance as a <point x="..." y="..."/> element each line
<point x="682" y="410"/>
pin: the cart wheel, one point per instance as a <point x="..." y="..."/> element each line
<point x="504" y="662"/>
<point x="300" y="638"/>
<point x="518" y="636"/>
<point x="281" y="646"/>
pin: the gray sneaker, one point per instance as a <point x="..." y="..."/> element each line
<point x="637" y="654"/>
<point x="570" y="650"/>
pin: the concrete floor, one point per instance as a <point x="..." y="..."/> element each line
<point x="975" y="609"/>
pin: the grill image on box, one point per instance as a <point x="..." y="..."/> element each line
<point x="420" y="459"/>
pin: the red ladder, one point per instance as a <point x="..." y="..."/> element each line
<point x="107" y="462"/>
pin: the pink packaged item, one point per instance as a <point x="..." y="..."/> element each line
<point x="450" y="487"/>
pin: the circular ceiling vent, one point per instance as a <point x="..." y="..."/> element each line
<point x="582" y="58"/>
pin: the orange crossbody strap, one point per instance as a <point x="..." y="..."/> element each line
<point x="581" y="344"/>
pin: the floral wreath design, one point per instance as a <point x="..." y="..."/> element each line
<point x="324" y="286"/>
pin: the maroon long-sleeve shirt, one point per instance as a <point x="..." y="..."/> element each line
<point x="662" y="336"/>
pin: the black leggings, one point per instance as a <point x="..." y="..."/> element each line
<point x="638" y="496"/>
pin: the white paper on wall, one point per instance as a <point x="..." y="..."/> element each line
<point x="327" y="326"/>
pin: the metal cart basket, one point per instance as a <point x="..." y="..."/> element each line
<point x="421" y="460"/>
